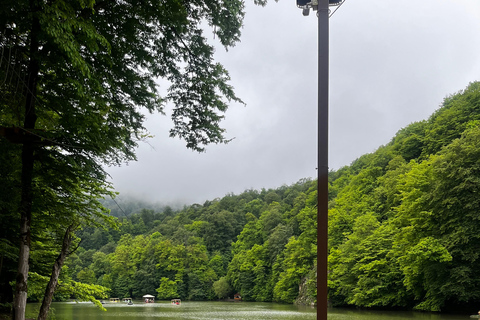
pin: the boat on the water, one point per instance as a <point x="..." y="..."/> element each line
<point x="148" y="298"/>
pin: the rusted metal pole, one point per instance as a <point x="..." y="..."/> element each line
<point x="322" y="214"/>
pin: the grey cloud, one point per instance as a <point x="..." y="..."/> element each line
<point x="391" y="64"/>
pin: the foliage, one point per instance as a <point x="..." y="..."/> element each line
<point x="167" y="289"/>
<point x="403" y="230"/>
<point x="404" y="234"/>
<point x="189" y="254"/>
<point x="77" y="78"/>
<point x="222" y="288"/>
<point x="67" y="288"/>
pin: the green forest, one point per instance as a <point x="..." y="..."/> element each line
<point x="402" y="233"/>
<point x="79" y="79"/>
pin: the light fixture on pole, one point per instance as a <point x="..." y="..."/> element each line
<point x="306" y="5"/>
<point x="323" y="13"/>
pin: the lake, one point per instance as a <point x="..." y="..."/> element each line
<point x="223" y="311"/>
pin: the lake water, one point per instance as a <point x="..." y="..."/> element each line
<point x="222" y="311"/>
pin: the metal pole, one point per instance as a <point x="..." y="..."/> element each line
<point x="322" y="207"/>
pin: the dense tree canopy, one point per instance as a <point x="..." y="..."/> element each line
<point x="189" y="255"/>
<point x="402" y="230"/>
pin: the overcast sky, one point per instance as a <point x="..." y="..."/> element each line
<point x="392" y="62"/>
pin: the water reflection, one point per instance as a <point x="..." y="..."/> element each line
<point x="187" y="310"/>
<point x="223" y="311"/>
<point x="354" y="314"/>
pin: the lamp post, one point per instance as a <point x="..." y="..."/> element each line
<point x="322" y="8"/>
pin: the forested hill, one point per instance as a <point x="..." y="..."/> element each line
<point x="403" y="231"/>
<point x="405" y="220"/>
<point x="258" y="243"/>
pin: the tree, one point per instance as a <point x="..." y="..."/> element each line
<point x="222" y="288"/>
<point x="167" y="289"/>
<point x="9" y="198"/>
<point x="299" y="257"/>
<point x="364" y="271"/>
<point x="219" y="231"/>
<point x="451" y="120"/>
<point x="440" y="197"/>
<point x="86" y="276"/>
<point x="56" y="269"/>
<point x="86" y="67"/>
<point x="402" y="224"/>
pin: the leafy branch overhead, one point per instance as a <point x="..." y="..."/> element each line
<point x="76" y="77"/>
<point x="99" y="63"/>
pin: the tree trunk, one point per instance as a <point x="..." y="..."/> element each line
<point x="25" y="222"/>
<point x="25" y="209"/>
<point x="22" y="273"/>
<point x="57" y="267"/>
